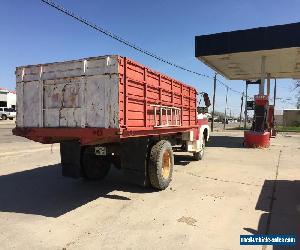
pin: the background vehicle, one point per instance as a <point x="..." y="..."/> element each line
<point x="225" y="120"/>
<point x="7" y="113"/>
<point x="108" y="111"/>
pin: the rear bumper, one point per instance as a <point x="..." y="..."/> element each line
<point x="86" y="136"/>
<point x="93" y="136"/>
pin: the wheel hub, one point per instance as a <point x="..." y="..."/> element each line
<point x="166" y="166"/>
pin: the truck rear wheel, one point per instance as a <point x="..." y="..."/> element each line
<point x="94" y="167"/>
<point x="4" y="117"/>
<point x="161" y="164"/>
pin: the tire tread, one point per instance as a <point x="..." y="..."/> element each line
<point x="155" y="165"/>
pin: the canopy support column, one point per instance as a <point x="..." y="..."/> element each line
<point x="268" y="84"/>
<point x="263" y="75"/>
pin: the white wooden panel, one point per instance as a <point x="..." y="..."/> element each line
<point x="20" y="100"/>
<point x="61" y="74"/>
<point x="71" y="95"/>
<point x="30" y="73"/>
<point x="96" y="65"/>
<point x="65" y="96"/>
<point x="95" y="101"/>
<point x="76" y="93"/>
<point x="53" y="96"/>
<point x="102" y="101"/>
<point x="100" y="66"/>
<point x="31" y="104"/>
<point x="51" y="118"/>
<point x="62" y="66"/>
<point x="70" y="117"/>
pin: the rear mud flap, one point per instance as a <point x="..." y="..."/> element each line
<point x="134" y="158"/>
<point x="70" y="152"/>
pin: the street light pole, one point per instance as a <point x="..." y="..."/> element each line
<point x="245" y="121"/>
<point x="225" y="108"/>
<point x="242" y="102"/>
<point x="275" y="88"/>
<point x="214" y="101"/>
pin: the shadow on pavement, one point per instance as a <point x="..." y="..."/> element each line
<point x="225" y="141"/>
<point x="283" y="216"/>
<point x="182" y="160"/>
<point x="43" y="191"/>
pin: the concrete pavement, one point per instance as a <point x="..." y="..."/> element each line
<point x="208" y="205"/>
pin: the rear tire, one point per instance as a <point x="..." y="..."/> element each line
<point x="3" y="117"/>
<point x="94" y="167"/>
<point x="11" y="118"/>
<point x="161" y="164"/>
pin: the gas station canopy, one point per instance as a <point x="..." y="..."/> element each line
<point x="239" y="55"/>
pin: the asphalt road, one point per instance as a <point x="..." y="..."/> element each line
<point x="208" y="205"/>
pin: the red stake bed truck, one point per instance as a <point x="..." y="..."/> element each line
<point x="110" y="111"/>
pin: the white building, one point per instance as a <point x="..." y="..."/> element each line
<point x="7" y="98"/>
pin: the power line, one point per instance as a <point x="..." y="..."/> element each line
<point x="226" y="86"/>
<point x="131" y="45"/>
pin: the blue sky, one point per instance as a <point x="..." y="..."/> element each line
<point x="32" y="32"/>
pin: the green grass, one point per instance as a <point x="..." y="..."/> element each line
<point x="288" y="129"/>
<point x="278" y="128"/>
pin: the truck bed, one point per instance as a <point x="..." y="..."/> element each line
<point x="98" y="99"/>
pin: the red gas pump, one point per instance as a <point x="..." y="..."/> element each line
<point x="259" y="134"/>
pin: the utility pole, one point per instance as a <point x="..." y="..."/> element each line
<point x="275" y="87"/>
<point x="225" y="108"/>
<point x="245" y="121"/>
<point x="242" y="102"/>
<point x="214" y="101"/>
